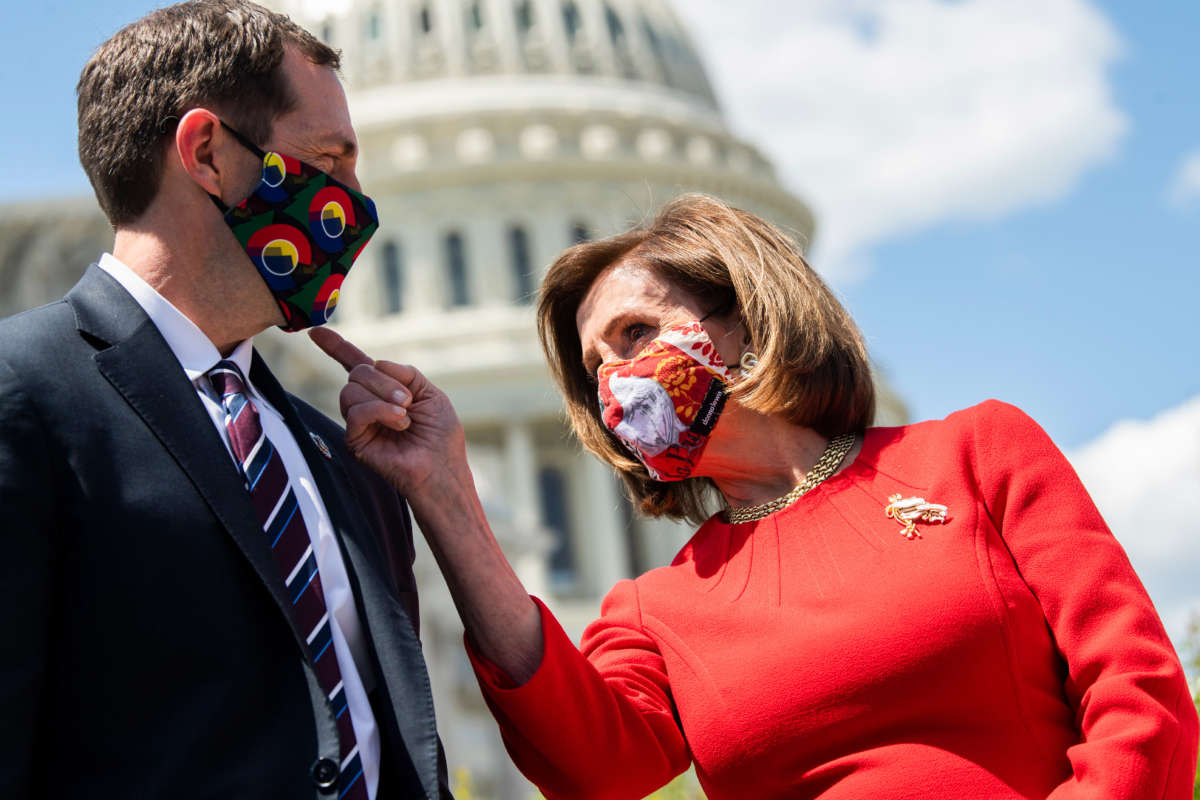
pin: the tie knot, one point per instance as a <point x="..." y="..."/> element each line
<point x="226" y="379"/>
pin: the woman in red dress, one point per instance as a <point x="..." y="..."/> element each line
<point x="933" y="610"/>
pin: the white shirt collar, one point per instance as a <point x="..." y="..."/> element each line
<point x="195" y="351"/>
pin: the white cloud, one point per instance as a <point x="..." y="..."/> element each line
<point x="1145" y="479"/>
<point x="1185" y="185"/>
<point x="893" y="115"/>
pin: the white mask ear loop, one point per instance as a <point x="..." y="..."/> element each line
<point x="749" y="359"/>
<point x="748" y="362"/>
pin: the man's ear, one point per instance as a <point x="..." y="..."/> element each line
<point x="209" y="154"/>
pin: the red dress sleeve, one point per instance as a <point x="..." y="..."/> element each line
<point x="593" y="724"/>
<point x="1138" y="726"/>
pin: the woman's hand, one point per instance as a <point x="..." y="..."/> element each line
<point x="397" y="422"/>
<point x="403" y="427"/>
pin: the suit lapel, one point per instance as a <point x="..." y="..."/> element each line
<point x="393" y="641"/>
<point x="141" y="367"/>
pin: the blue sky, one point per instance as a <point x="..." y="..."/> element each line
<point x="1083" y="310"/>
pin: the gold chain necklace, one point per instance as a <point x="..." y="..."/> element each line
<point x="826" y="465"/>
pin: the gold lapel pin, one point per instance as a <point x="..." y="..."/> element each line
<point x="320" y="443"/>
<point x="908" y="511"/>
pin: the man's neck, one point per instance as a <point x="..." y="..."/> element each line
<point x="180" y="274"/>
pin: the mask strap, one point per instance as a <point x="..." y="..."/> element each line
<point x="224" y="209"/>
<point x="245" y="142"/>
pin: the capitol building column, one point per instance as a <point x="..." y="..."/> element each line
<point x="528" y="551"/>
<point x="551" y="234"/>
<point x="488" y="260"/>
<point x="602" y="540"/>
<point x="423" y="268"/>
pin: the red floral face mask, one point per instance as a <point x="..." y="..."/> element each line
<point x="664" y="402"/>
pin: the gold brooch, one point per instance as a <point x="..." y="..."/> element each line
<point x="908" y="511"/>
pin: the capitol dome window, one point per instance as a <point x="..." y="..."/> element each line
<point x="620" y="42"/>
<point x="580" y="232"/>
<point x="373" y="27"/>
<point x="393" y="279"/>
<point x="583" y="59"/>
<point x="457" y="294"/>
<point x="429" y="58"/>
<point x="327" y="32"/>
<point x="520" y="264"/>
<point x="656" y="47"/>
<point x="475" y="15"/>
<point x="533" y="47"/>
<point x="571" y="19"/>
<point x="482" y="53"/>
<point x="524" y="14"/>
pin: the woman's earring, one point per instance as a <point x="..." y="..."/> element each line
<point x="748" y="362"/>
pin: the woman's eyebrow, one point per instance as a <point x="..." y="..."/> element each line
<point x="587" y="358"/>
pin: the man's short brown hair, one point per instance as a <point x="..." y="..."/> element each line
<point x="813" y="367"/>
<point x="224" y="54"/>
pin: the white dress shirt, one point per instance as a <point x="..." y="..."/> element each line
<point x="197" y="355"/>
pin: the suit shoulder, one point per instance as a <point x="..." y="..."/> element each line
<point x="28" y="334"/>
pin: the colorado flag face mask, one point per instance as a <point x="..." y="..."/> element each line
<point x="663" y="403"/>
<point x="302" y="231"/>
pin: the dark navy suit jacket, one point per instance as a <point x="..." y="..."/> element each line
<point x="146" y="650"/>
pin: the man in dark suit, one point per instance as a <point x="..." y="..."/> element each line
<point x="205" y="595"/>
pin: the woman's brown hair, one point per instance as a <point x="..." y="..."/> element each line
<point x="812" y="362"/>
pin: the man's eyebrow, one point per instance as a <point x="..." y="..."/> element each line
<point x="337" y="145"/>
<point x="345" y="147"/>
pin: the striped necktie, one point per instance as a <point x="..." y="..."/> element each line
<point x="279" y="515"/>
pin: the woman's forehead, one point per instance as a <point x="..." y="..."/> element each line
<point x="628" y="285"/>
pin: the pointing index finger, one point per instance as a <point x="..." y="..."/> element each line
<point x="339" y="349"/>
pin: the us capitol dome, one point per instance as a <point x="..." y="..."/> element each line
<point x="493" y="134"/>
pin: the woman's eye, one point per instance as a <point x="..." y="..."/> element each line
<point x="637" y="331"/>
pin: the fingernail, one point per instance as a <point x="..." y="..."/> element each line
<point x="400" y="397"/>
<point x="400" y="412"/>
